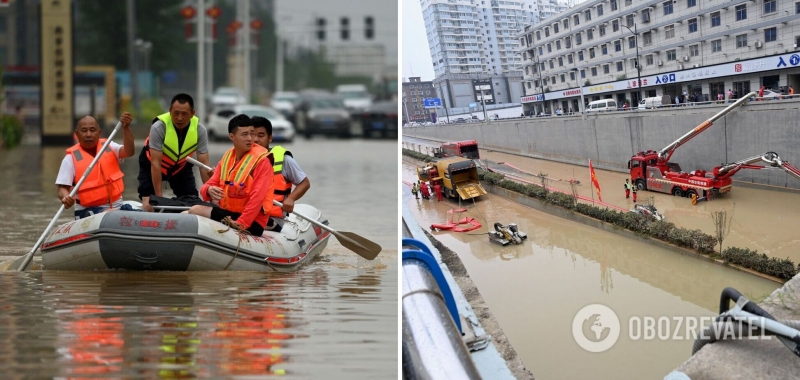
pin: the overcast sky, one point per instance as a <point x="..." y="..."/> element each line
<point x="416" y="53"/>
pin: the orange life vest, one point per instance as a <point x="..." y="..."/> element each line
<point x="173" y="159"/>
<point x="237" y="179"/>
<point x="104" y="184"/>
<point x="282" y="187"/>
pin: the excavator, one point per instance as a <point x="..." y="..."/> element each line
<point x="652" y="170"/>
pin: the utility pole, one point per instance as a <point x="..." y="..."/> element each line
<point x="483" y="102"/>
<point x="279" y="66"/>
<point x="247" y="35"/>
<point x="638" y="62"/>
<point x="210" y="53"/>
<point x="445" y="105"/>
<point x="200" y="101"/>
<point x="132" y="59"/>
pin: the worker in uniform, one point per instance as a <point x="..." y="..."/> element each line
<point x="103" y="187"/>
<point x="286" y="172"/>
<point x="415" y="190"/>
<point x="242" y="181"/>
<point x="438" y="189"/>
<point x="628" y="188"/>
<point x="423" y="188"/>
<point x="174" y="136"/>
<point x="634" y="194"/>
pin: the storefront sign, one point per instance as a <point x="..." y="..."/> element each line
<point x="57" y="71"/>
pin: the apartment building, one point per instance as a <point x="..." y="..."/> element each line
<point x="684" y="47"/>
<point x="414" y="91"/>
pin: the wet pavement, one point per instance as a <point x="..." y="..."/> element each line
<point x="339" y="312"/>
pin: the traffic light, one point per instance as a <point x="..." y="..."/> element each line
<point x="369" y="27"/>
<point x="321" y="29"/>
<point x="345" y="23"/>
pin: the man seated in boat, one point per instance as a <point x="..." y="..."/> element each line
<point x="242" y="181"/>
<point x="102" y="189"/>
<point x="286" y="172"/>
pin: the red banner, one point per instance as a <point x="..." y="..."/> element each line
<point x="595" y="183"/>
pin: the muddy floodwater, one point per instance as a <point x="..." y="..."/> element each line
<point x="763" y="220"/>
<point x="535" y="289"/>
<point x="335" y="318"/>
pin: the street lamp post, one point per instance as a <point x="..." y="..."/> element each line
<point x="638" y="61"/>
<point x="405" y="106"/>
<point x="578" y="79"/>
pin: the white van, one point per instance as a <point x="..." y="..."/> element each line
<point x="650" y="103"/>
<point x="602" y="105"/>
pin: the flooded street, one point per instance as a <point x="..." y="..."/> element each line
<point x="339" y="312"/>
<point x="535" y="289"/>
<point x="763" y="220"/>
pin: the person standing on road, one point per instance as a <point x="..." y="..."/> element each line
<point x="438" y="189"/>
<point x="627" y="188"/>
<point x="423" y="188"/>
<point x="174" y="136"/>
<point x="415" y="190"/>
<point x="634" y="193"/>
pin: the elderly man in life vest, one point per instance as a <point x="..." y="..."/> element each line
<point x="242" y="181"/>
<point x="286" y="173"/>
<point x="103" y="187"/>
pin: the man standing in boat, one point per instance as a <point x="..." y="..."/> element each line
<point x="286" y="172"/>
<point x="103" y="187"/>
<point x="174" y="136"/>
<point x="242" y="181"/>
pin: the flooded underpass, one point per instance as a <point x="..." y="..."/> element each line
<point x="535" y="289"/>
<point x="337" y="312"/>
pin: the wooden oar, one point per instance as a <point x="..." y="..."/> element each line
<point x="27" y="259"/>
<point x="352" y="241"/>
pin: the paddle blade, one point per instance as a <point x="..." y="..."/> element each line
<point x="360" y="245"/>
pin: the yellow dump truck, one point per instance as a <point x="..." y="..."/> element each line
<point x="458" y="177"/>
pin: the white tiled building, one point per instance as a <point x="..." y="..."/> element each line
<point x="702" y="47"/>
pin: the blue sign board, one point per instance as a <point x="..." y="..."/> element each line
<point x="432" y="102"/>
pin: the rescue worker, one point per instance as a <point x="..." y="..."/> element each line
<point x="286" y="172"/>
<point x="634" y="194"/>
<point x="242" y="181"/>
<point x="627" y="188"/>
<point x="102" y="189"/>
<point x="761" y="93"/>
<point x="426" y="193"/>
<point x="415" y="190"/>
<point x="791" y="90"/>
<point x="173" y="137"/>
<point x="438" y="189"/>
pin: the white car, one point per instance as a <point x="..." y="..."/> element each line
<point x="355" y="96"/>
<point x="285" y="102"/>
<point x="772" y="95"/>
<point x="282" y="129"/>
<point x="227" y="96"/>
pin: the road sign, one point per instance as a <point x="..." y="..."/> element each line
<point x="473" y="105"/>
<point x="432" y="102"/>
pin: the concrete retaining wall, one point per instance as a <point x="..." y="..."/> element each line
<point x="609" y="140"/>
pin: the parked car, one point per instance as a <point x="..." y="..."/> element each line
<point x="227" y="96"/>
<point x="282" y="129"/>
<point x="381" y="119"/>
<point x="772" y="95"/>
<point x="355" y="96"/>
<point x="321" y="113"/>
<point x="285" y="103"/>
<point x="602" y="105"/>
<point x="650" y="103"/>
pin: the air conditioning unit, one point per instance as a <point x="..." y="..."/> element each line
<point x="686" y="58"/>
<point x="661" y="63"/>
<point x="759" y="44"/>
<point x="696" y="65"/>
<point x="680" y="67"/>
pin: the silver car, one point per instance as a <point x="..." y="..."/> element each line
<point x="282" y="129"/>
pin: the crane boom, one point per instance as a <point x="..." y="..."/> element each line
<point x="773" y="159"/>
<point x="770" y="158"/>
<point x="665" y="154"/>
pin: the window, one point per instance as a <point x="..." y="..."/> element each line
<point x="549" y="48"/>
<point x="667" y="7"/>
<point x="648" y="60"/>
<point x="634" y="63"/>
<point x="715" y="19"/>
<point x="589" y="34"/>
<point x="646" y="15"/>
<point x="602" y="30"/>
<point x="694" y="50"/>
<point x="551" y="64"/>
<point x="591" y="53"/>
<point x="671" y="55"/>
<point x="619" y="66"/>
<point x="604" y="48"/>
<point x="529" y="85"/>
<point x="613" y="5"/>
<point x="538" y="35"/>
<point x="541" y="51"/>
<point x="580" y="56"/>
<point x="605" y="69"/>
<point x="631" y="42"/>
<point x="563" y="78"/>
<point x="770" y="34"/>
<point x="648" y="38"/>
<point x="568" y="42"/>
<point x="576" y="20"/>
<point x="629" y="20"/>
<point x="690" y="3"/>
<point x="594" y="70"/>
<point x="615" y="25"/>
<point x="571" y="75"/>
<point x="692" y="25"/>
<point x="797" y="40"/>
<point x="716" y="46"/>
<point x="741" y="12"/>
<point x="569" y="58"/>
<point x="578" y="39"/>
<point x="741" y="40"/>
<point x="560" y="61"/>
<point x="546" y="32"/>
<point x="566" y="23"/>
<point x="583" y="73"/>
<point x="587" y="15"/>
<point x="599" y="10"/>
<point x="797" y="8"/>
<point x="555" y="28"/>
<point x="769" y="6"/>
<point x="669" y="31"/>
<point x="617" y="45"/>
<point x="558" y="45"/>
<point x="542" y="66"/>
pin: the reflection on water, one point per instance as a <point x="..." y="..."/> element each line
<point x="535" y="289"/>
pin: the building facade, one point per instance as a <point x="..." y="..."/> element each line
<point x="464" y="93"/>
<point x="479" y="36"/>
<point x="414" y="92"/>
<point x="684" y="47"/>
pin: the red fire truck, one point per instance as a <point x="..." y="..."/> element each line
<point x="465" y="149"/>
